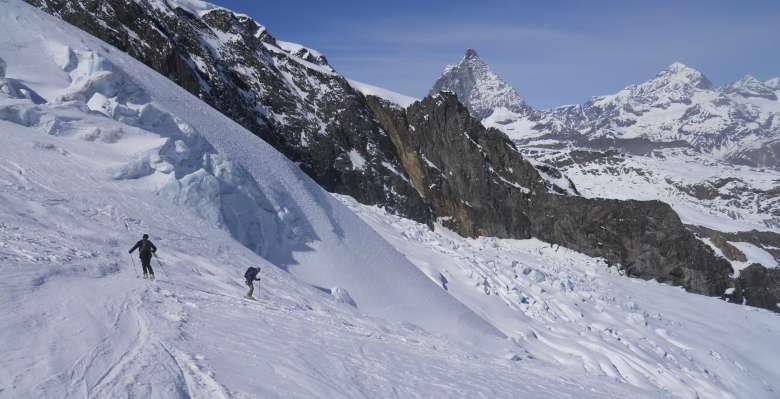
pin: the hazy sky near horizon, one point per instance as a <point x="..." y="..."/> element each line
<point x="553" y="52"/>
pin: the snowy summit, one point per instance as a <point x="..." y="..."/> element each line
<point x="478" y="87"/>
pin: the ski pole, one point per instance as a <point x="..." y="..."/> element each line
<point x="135" y="269"/>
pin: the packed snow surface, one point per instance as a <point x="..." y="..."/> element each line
<point x="97" y="149"/>
<point x="569" y="309"/>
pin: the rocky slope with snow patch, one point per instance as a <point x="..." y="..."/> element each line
<point x="482" y="186"/>
<point x="613" y="147"/>
<point x="283" y="92"/>
<point x="702" y="190"/>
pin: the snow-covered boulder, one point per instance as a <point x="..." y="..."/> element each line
<point x="342" y="295"/>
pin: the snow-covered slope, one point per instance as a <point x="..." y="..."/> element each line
<point x="146" y="132"/>
<point x="97" y="149"/>
<point x="285" y="93"/>
<point x="573" y="310"/>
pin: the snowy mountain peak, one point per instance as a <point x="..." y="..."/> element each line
<point x="675" y="84"/>
<point x="746" y="81"/>
<point x="471" y="53"/>
<point x="773" y="83"/>
<point x="478" y="87"/>
<point x="678" y="74"/>
<point x="677" y="66"/>
<point x="748" y="86"/>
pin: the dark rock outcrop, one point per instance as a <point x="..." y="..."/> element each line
<point x="767" y="240"/>
<point x="474" y="178"/>
<point x="479" y="184"/>
<point x="758" y="286"/>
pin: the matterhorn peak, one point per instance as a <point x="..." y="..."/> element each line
<point x="479" y="88"/>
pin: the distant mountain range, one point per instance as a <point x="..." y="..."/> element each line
<point x="738" y="123"/>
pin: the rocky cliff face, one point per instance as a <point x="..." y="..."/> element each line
<point x="479" y="184"/>
<point x="474" y="178"/>
<point x="283" y="92"/>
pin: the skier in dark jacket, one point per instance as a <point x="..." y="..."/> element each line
<point x="250" y="276"/>
<point x="145" y="249"/>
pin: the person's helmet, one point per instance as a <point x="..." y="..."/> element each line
<point x="146" y="236"/>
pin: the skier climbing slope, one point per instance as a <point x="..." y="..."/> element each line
<point x="251" y="276"/>
<point x="146" y="249"/>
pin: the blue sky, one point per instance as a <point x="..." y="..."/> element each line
<point x="553" y="52"/>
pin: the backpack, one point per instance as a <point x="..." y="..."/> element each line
<point x="145" y="247"/>
<point x="251" y="273"/>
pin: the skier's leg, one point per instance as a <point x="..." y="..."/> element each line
<point x="147" y="263"/>
<point x="251" y="289"/>
<point x="151" y="271"/>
